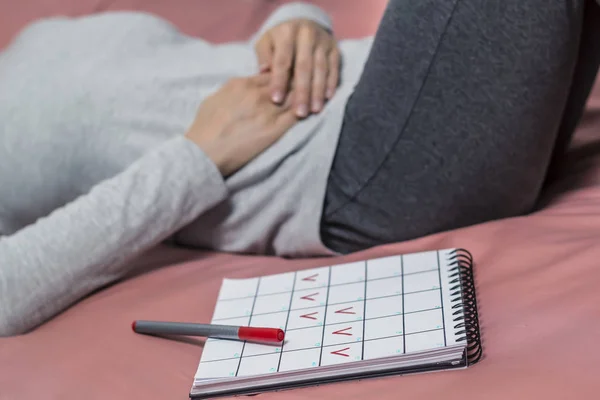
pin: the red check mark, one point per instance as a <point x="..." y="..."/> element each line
<point x="339" y="352"/>
<point x="309" y="316"/>
<point x="311" y="278"/>
<point x="345" y="311"/>
<point x="309" y="296"/>
<point x="343" y="332"/>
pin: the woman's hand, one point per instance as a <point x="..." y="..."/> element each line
<point x="304" y="51"/>
<point x="239" y="122"/>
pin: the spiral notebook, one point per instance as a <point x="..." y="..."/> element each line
<point x="402" y="314"/>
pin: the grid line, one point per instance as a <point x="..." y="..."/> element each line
<point x="325" y="315"/>
<point x="441" y="295"/>
<point x="332" y="304"/>
<point x="337" y="284"/>
<point x="362" y="354"/>
<point x="347" y="322"/>
<point x="403" y="319"/>
<point x="287" y="319"/>
<point x="329" y="345"/>
<point x="249" y="322"/>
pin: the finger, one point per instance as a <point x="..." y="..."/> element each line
<point x="334" y="73"/>
<point x="275" y="110"/>
<point x="282" y="121"/>
<point x="288" y="103"/>
<point x="303" y="69"/>
<point x="319" y="80"/>
<point x="264" y="52"/>
<point x="261" y="80"/>
<point x="282" y="62"/>
<point x="285" y="121"/>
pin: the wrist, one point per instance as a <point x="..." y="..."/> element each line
<point x="215" y="153"/>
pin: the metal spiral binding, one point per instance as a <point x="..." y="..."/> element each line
<point x="462" y="292"/>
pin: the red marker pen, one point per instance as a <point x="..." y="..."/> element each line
<point x="252" y="334"/>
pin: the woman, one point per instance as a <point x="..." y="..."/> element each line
<point x="119" y="133"/>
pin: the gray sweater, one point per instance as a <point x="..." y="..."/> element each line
<point x="95" y="171"/>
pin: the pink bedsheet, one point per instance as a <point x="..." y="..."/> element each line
<point x="204" y="18"/>
<point x="537" y="280"/>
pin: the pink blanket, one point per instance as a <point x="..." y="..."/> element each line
<point x="537" y="279"/>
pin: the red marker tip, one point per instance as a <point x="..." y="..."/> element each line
<point x="133" y="326"/>
<point x="253" y="334"/>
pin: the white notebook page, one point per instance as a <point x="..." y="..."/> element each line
<point x="333" y="315"/>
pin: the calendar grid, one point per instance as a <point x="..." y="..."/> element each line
<point x="287" y="319"/>
<point x="441" y="295"/>
<point x="333" y="314"/>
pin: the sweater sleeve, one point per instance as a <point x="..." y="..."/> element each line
<point x="49" y="265"/>
<point x="295" y="10"/>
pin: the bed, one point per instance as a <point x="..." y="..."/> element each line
<point x="537" y="276"/>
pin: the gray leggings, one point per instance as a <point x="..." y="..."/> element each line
<point x="462" y="113"/>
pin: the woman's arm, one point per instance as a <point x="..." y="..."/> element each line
<point x="46" y="267"/>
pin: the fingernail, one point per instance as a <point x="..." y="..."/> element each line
<point x="302" y="110"/>
<point x="264" y="68"/>
<point x="277" y="97"/>
<point x="329" y="93"/>
<point x="316" y="106"/>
